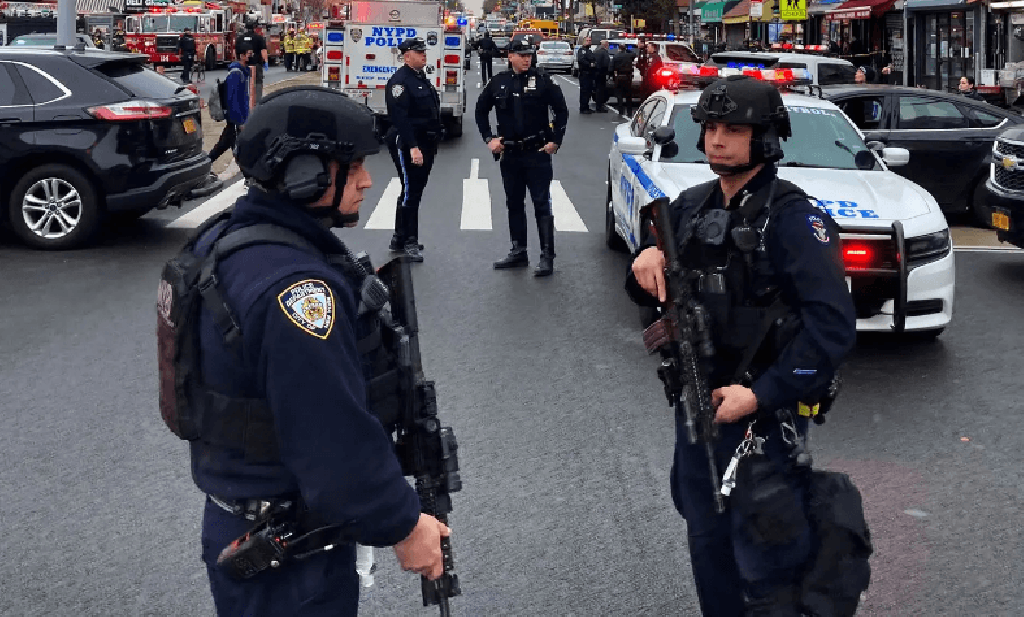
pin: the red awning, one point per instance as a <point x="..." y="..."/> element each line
<point x="861" y="9"/>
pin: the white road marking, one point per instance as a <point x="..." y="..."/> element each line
<point x="216" y="204"/>
<point x="383" y="216"/>
<point x="987" y="249"/>
<point x="476" y="200"/>
<point x="566" y="216"/>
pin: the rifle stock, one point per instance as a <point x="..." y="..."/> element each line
<point x="682" y="336"/>
<point x="428" y="451"/>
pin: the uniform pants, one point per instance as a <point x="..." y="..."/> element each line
<point x="225" y="142"/>
<point x="319" y="586"/>
<point x="586" y="89"/>
<point x="289" y="57"/>
<point x="303" y="62"/>
<point x="624" y="94"/>
<point x="726" y="563"/>
<point x="522" y="171"/>
<point x="257" y="81"/>
<point x="186" y="69"/>
<point x="414" y="180"/>
<point x="486" y="69"/>
<point x="600" y="89"/>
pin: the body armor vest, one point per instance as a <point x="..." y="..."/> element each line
<point x="751" y="322"/>
<point x="191" y="409"/>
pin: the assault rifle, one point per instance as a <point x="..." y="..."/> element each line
<point x="428" y="451"/>
<point x="683" y="337"/>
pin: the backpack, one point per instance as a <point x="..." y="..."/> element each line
<point x="218" y="100"/>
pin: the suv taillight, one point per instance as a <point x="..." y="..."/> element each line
<point x="131" y="110"/>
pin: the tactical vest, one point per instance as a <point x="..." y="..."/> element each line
<point x="750" y="319"/>
<point x="192" y="410"/>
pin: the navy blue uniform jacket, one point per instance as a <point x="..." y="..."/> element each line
<point x="332" y="450"/>
<point x="809" y="269"/>
<point x="414" y="107"/>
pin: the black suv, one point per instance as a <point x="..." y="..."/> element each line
<point x="89" y="134"/>
<point x="1005" y="186"/>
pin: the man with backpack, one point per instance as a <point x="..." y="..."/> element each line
<point x="234" y="100"/>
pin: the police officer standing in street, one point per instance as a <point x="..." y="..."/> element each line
<point x="782" y="320"/>
<point x="622" y="73"/>
<point x="187" y="51"/>
<point x="259" y="61"/>
<point x="587" y="64"/>
<point x="602" y="66"/>
<point x="280" y="384"/>
<point x="525" y="141"/>
<point x="487" y="50"/>
<point x="414" y="108"/>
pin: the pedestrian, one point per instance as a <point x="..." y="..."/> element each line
<point x="487" y="50"/>
<point x="285" y="431"/>
<point x="414" y="109"/>
<point x="602" y="66"/>
<point x="524" y="98"/>
<point x="622" y="72"/>
<point x="781" y="320"/>
<point x="288" y="42"/>
<point x="187" y="53"/>
<point x="586" y="62"/>
<point x="236" y="108"/>
<point x="259" y="61"/>
<point x="968" y="89"/>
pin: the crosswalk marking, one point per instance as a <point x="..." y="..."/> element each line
<point x="476" y="200"/>
<point x="566" y="216"/>
<point x="224" y="199"/>
<point x="383" y="216"/>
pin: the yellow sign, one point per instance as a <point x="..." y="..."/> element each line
<point x="793" y="10"/>
<point x="639" y="23"/>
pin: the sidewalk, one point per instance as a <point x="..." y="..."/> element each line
<point x="212" y="130"/>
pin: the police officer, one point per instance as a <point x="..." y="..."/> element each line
<point x="622" y="70"/>
<point x="587" y="63"/>
<point x="282" y="392"/>
<point x="769" y="262"/>
<point x="187" y="51"/>
<point x="260" y="60"/>
<point x="525" y="141"/>
<point x="414" y="108"/>
<point x="487" y="50"/>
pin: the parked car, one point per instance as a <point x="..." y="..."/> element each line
<point x="596" y="36"/>
<point x="89" y="134"/>
<point x="1005" y="186"/>
<point x="949" y="137"/>
<point x="554" y="56"/>
<point x="48" y="41"/>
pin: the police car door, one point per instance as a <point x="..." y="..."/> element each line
<point x="628" y="192"/>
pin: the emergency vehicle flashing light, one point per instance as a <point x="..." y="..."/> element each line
<point x="704" y="75"/>
<point x="795" y="47"/>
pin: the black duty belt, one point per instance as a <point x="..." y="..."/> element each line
<point x="534" y="142"/>
<point x="250" y="509"/>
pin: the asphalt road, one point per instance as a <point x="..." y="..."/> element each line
<point x="565" y="440"/>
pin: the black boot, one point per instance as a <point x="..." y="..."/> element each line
<point x="546" y="230"/>
<point x="517" y="258"/>
<point x="397" y="244"/>
<point x="412" y="249"/>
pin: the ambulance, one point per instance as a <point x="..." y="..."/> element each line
<point x="361" y="54"/>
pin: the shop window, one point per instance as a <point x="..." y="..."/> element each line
<point x="923" y="113"/>
<point x="865" y="112"/>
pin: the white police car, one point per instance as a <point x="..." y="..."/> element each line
<point x="896" y="243"/>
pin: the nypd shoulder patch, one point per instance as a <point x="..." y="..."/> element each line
<point x="397" y="90"/>
<point x="309" y="305"/>
<point x="818" y="227"/>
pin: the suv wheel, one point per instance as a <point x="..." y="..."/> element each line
<point x="54" y="207"/>
<point x="611" y="237"/>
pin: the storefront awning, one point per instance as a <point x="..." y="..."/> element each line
<point x="741" y="13"/>
<point x="914" y="5"/>
<point x="818" y="8"/>
<point x="99" y="6"/>
<point x="712" y="12"/>
<point x="861" y="9"/>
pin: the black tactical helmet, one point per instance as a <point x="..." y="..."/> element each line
<point x="739" y="99"/>
<point x="303" y="120"/>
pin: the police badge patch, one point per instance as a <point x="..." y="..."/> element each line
<point x="818" y="227"/>
<point x="397" y="90"/>
<point x="310" y="306"/>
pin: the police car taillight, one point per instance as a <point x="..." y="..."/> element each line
<point x="131" y="110"/>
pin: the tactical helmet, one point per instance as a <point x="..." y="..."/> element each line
<point x="740" y="99"/>
<point x="286" y="145"/>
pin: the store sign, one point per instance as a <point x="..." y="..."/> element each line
<point x="857" y="13"/>
<point x="756" y="10"/>
<point x="793" y="10"/>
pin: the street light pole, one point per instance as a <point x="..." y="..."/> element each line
<point x="66" y="14"/>
<point x="691" y="24"/>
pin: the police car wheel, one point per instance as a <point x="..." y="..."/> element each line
<point x="54" y="207"/>
<point x="611" y="237"/>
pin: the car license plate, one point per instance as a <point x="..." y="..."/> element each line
<point x="189" y="124"/>
<point x="849" y="284"/>
<point x="1001" y="221"/>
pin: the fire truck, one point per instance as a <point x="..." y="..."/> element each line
<point x="214" y="26"/>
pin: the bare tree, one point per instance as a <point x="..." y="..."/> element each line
<point x="312" y="10"/>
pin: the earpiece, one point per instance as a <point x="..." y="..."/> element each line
<point x="305" y="179"/>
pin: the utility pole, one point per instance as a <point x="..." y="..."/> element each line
<point x="691" y="24"/>
<point x="66" y="14"/>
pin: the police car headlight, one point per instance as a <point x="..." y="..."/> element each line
<point x="928" y="248"/>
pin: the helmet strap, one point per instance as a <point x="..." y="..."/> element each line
<point x="329" y="216"/>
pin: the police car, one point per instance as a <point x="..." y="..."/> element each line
<point x="896" y="243"/>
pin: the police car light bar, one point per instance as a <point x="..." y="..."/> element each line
<point x="794" y="47"/>
<point x="704" y="75"/>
